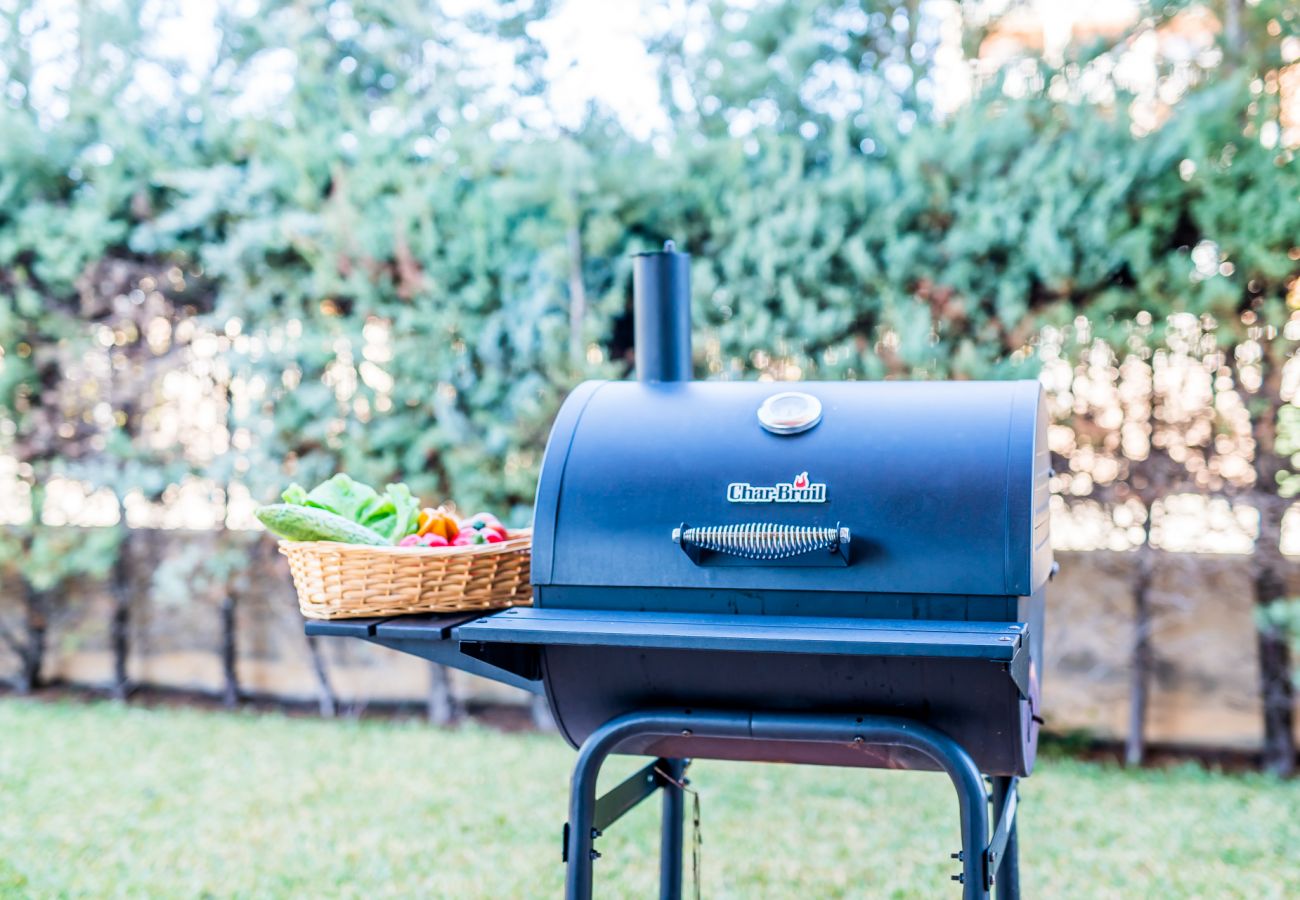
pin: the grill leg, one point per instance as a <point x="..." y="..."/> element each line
<point x="582" y="825"/>
<point x="972" y="798"/>
<point x="582" y="789"/>
<point x="1007" y="883"/>
<point x="670" y="836"/>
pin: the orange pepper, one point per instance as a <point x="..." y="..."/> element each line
<point x="438" y="521"/>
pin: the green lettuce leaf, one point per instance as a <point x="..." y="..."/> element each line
<point x="340" y="494"/>
<point x="405" y="512"/>
<point x="393" y="514"/>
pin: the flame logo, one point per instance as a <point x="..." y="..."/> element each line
<point x="801" y="481"/>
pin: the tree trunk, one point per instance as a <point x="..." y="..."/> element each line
<point x="577" y="296"/>
<point x="541" y="712"/>
<point x="1279" y="703"/>
<point x="329" y="703"/>
<point x="35" y="625"/>
<point x="119" y="631"/>
<point x="120" y="637"/>
<point x="229" y="652"/>
<point x="1269" y="568"/>
<point x="1277" y="690"/>
<point x="327" y="699"/>
<point x="917" y="66"/>
<point x="1233" y="37"/>
<point x="120" y="587"/>
<point x="441" y="703"/>
<point x="1142" y="661"/>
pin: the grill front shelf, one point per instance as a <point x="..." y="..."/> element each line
<point x="994" y="641"/>
<point x="971" y="680"/>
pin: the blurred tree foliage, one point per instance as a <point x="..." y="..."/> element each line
<point x="376" y="253"/>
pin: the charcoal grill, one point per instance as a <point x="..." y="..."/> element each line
<point x="843" y="574"/>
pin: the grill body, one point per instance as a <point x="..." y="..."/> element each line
<point x="891" y="560"/>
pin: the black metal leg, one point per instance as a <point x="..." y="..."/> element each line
<point x="887" y="731"/>
<point x="1007" y="870"/>
<point x="972" y="797"/>
<point x="670" y="838"/>
<point x="582" y="796"/>
<point x="582" y="822"/>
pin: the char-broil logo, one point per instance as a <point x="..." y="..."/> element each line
<point x="800" y="490"/>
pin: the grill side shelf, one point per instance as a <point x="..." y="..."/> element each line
<point x="362" y="628"/>
<point x="421" y="626"/>
<point x="995" y="641"/>
<point x="426" y="626"/>
<point x="430" y="636"/>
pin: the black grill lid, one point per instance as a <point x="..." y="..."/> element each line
<point x="943" y="487"/>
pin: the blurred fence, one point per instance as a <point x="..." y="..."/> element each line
<point x="1204" y="691"/>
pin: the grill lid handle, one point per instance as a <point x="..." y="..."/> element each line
<point x="765" y="542"/>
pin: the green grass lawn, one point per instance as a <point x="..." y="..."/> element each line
<point x="103" y="800"/>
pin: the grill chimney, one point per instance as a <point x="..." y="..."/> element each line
<point x="661" y="304"/>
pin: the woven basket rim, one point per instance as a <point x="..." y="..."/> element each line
<point x="521" y="538"/>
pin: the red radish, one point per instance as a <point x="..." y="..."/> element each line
<point x="484" y="523"/>
<point x="423" y="540"/>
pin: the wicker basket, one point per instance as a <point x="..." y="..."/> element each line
<point x="346" y="581"/>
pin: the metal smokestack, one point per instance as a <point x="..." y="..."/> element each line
<point x="661" y="305"/>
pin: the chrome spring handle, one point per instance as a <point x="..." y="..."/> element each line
<point x="761" y="540"/>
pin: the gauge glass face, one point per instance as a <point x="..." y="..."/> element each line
<point x="790" y="412"/>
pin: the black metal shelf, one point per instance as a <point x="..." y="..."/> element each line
<point x="994" y="641"/>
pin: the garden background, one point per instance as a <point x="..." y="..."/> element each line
<point x="375" y="237"/>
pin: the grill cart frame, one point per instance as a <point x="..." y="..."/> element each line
<point x="989" y="856"/>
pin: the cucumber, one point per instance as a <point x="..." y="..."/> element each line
<point x="306" y="523"/>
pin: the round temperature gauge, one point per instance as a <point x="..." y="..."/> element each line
<point x="790" y="412"/>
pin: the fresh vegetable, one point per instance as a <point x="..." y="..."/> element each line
<point x="391" y="514"/>
<point x="423" y="540"/>
<point x="471" y="537"/>
<point x="306" y="523"/>
<point x="438" y="521"/>
<point x="342" y="509"/>
<point x="486" y="523"/>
